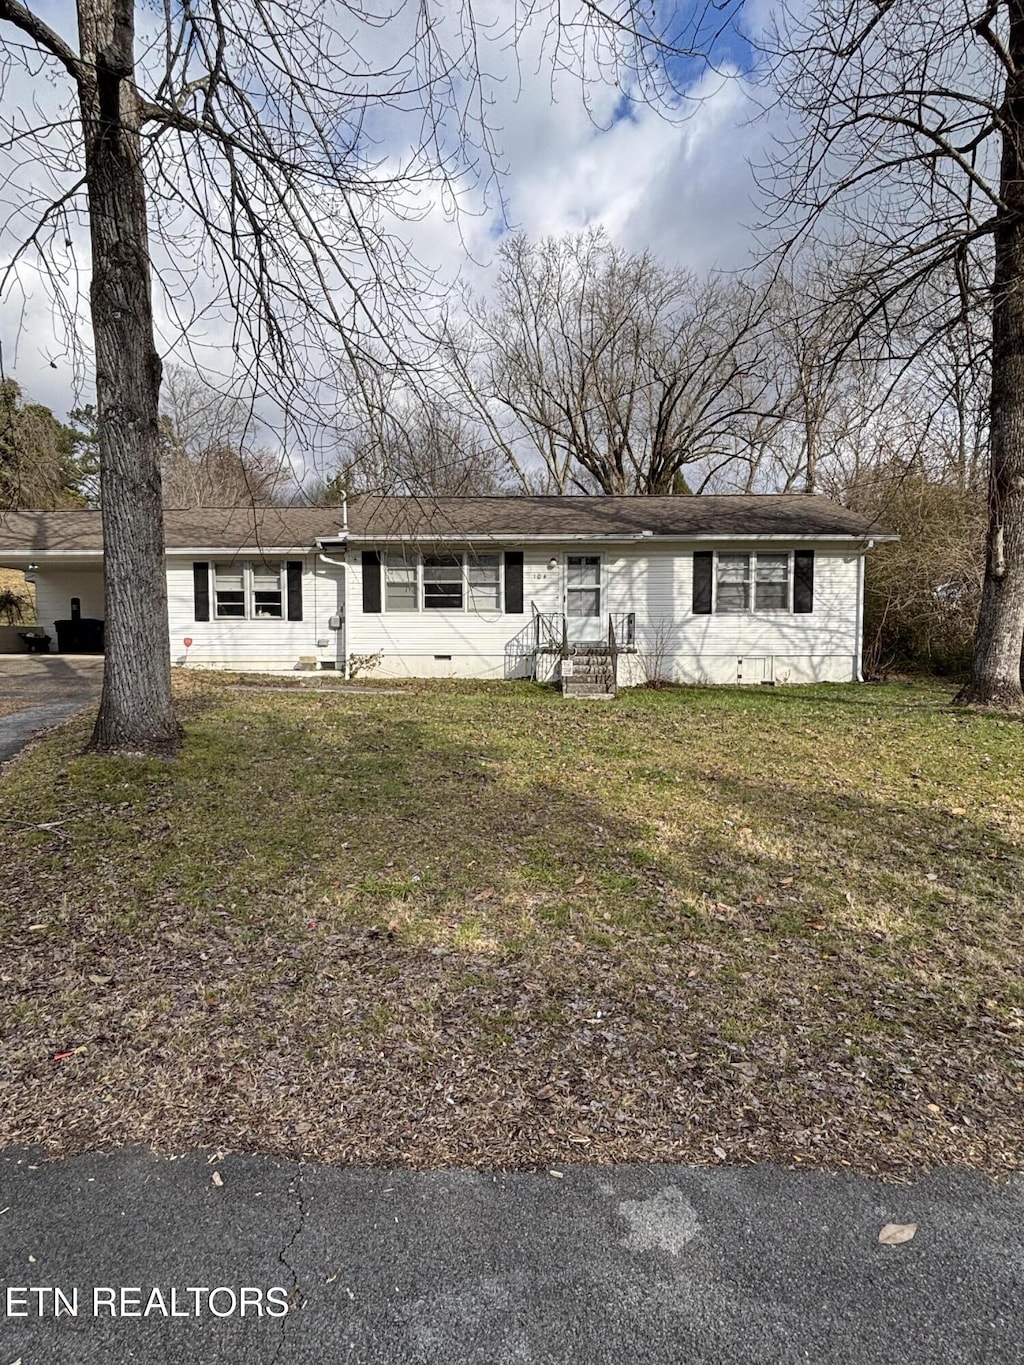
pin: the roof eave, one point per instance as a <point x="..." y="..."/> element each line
<point x="19" y="558"/>
<point x="433" y="537"/>
<point x="233" y="551"/>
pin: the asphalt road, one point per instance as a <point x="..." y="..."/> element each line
<point x="622" y="1265"/>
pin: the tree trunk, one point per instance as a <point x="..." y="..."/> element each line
<point x="996" y="670"/>
<point x="136" y="710"/>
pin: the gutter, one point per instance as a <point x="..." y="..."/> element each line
<point x="8" y="557"/>
<point x="643" y="537"/>
<point x="14" y="558"/>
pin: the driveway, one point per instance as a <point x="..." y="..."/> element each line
<point x="584" y="1266"/>
<point x="40" y="690"/>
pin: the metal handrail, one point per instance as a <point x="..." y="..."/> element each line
<point x="624" y="625"/>
<point x="548" y="630"/>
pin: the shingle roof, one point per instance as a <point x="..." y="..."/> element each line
<point x="371" y="517"/>
<point x="201" y="528"/>
<point x="713" y="515"/>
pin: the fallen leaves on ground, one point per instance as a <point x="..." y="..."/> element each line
<point x="417" y="930"/>
<point x="895" y="1234"/>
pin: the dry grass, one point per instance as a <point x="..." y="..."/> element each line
<point x="477" y="925"/>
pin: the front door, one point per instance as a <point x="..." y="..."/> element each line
<point x="583" y="593"/>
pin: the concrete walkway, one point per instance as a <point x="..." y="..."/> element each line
<point x="45" y="689"/>
<point x="595" y="1266"/>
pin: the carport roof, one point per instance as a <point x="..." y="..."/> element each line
<point x="373" y="519"/>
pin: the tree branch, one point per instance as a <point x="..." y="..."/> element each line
<point x="42" y="35"/>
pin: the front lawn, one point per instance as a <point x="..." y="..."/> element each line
<point x="483" y="925"/>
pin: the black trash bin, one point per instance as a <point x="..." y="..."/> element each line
<point x="35" y="641"/>
<point x="81" y="636"/>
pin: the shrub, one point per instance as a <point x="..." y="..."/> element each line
<point x="922" y="593"/>
<point x="15" y="606"/>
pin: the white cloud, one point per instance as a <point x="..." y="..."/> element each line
<point x="682" y="189"/>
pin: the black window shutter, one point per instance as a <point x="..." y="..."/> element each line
<point x="513" y="582"/>
<point x="803" y="581"/>
<point x="201" y="590"/>
<point x="371" y="580"/>
<point x="703" y="568"/>
<point x="294" y="575"/>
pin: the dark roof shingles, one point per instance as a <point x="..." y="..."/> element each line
<point x="751" y="515"/>
<point x="452" y="518"/>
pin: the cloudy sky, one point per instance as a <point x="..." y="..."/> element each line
<point x="571" y="157"/>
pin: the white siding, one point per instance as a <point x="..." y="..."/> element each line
<point x="657" y="585"/>
<point x="821" y="646"/>
<point x="654" y="582"/>
<point x="442" y="644"/>
<point x="264" y="645"/>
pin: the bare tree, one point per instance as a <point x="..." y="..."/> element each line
<point x="248" y="136"/>
<point x="396" y="439"/>
<point x="910" y="132"/>
<point x="819" y="378"/>
<point x="617" y="373"/>
<point x="207" y="455"/>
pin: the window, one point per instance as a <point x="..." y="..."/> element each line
<point x="732" y="584"/>
<point x="771" y="582"/>
<point x="400" y="589"/>
<point x="451" y="581"/>
<point x="442" y="582"/>
<point x="266" y="591"/>
<point x="229" y="589"/>
<point x="583" y="585"/>
<point x="483" y="576"/>
<point x="752" y="582"/>
<point x="248" y="591"/>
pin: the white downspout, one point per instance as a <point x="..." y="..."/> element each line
<point x="341" y="564"/>
<point x="344" y="609"/>
<point x="859" y="654"/>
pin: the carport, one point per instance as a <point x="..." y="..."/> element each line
<point x="63" y="558"/>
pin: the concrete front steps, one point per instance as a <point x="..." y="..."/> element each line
<point x="590" y="674"/>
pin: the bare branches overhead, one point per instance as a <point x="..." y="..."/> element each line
<point x="617" y="373"/>
<point x="908" y="137"/>
<point x="285" y="145"/>
<point x="253" y="159"/>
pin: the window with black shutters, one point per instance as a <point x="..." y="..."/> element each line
<point x="771" y="582"/>
<point x="229" y="590"/>
<point x="732" y="583"/>
<point x="483" y="582"/>
<point x="248" y="591"/>
<point x="760" y="581"/>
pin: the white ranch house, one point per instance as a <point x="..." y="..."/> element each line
<point x="601" y="590"/>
